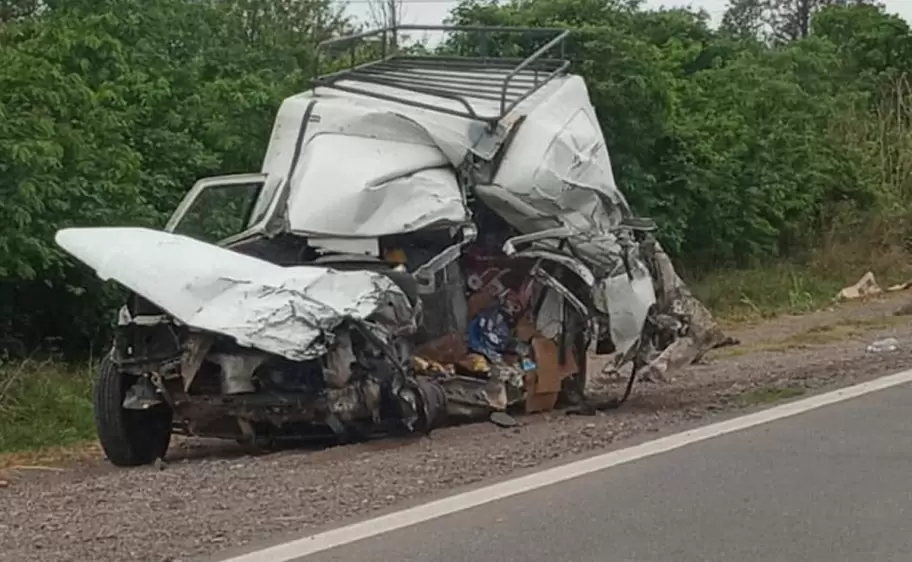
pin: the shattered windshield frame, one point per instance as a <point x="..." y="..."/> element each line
<point x="255" y="208"/>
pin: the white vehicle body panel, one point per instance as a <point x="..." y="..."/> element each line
<point x="287" y="311"/>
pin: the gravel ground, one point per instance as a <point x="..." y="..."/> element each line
<point x="206" y="499"/>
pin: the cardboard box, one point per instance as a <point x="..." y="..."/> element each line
<point x="538" y="402"/>
<point x="525" y="329"/>
<point x="550" y="373"/>
<point x="541" y="402"/>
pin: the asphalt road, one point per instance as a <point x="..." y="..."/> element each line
<point x="829" y="485"/>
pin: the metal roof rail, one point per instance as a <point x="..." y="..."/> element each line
<point x="506" y="81"/>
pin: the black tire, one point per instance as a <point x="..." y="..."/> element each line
<point x="128" y="437"/>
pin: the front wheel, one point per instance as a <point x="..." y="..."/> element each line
<point x="128" y="437"/>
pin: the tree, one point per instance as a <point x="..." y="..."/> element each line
<point x="777" y="20"/>
<point x="745" y="19"/>
<point x="17" y="10"/>
<point x="109" y="111"/>
<point x="284" y="22"/>
<point x="871" y="41"/>
<point x="386" y="13"/>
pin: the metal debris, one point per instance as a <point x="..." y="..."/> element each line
<point x="503" y="419"/>
<point x="886" y="345"/>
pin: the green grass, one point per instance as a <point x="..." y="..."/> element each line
<point x="764" y="293"/>
<point x="786" y="288"/>
<point x="44" y="404"/>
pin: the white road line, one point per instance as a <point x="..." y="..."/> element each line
<point x="386" y="523"/>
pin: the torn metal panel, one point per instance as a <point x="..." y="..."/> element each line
<point x="674" y="297"/>
<point x="678" y="330"/>
<point x="426" y="273"/>
<point x="566" y="295"/>
<point x="556" y="165"/>
<point x="626" y="298"/>
<point x="549" y="320"/>
<point x="557" y="171"/>
<point x="510" y="246"/>
<point x="196" y="349"/>
<point x="333" y="111"/>
<point x="287" y="311"/>
<point x="339" y="361"/>
<point x="394" y="187"/>
<point x="570" y="263"/>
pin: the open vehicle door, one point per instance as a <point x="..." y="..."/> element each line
<point x="225" y="210"/>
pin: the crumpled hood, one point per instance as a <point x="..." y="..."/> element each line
<point x="287" y="311"/>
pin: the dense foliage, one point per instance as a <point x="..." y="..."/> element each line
<point x="746" y="143"/>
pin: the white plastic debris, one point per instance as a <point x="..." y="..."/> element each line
<point x="865" y="287"/>
<point x="886" y="345"/>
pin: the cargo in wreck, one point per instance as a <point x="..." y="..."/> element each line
<point x="429" y="239"/>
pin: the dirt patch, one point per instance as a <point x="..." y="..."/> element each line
<point x="200" y="502"/>
<point x="770" y="394"/>
<point x="875" y="310"/>
<point x="53" y="457"/>
<point x="839" y="330"/>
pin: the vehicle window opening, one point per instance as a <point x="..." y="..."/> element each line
<point x="220" y="212"/>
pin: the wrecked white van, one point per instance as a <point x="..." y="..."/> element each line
<point x="430" y="238"/>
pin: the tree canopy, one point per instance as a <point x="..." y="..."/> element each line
<point x="746" y="143"/>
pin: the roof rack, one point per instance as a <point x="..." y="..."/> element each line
<point x="498" y="83"/>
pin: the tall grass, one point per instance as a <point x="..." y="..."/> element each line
<point x="44" y="404"/>
<point x="853" y="241"/>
